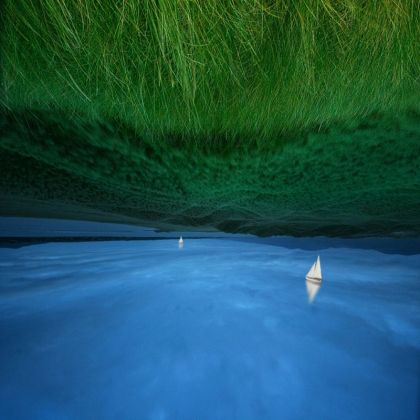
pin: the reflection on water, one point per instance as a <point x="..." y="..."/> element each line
<point x="312" y="289"/>
<point x="138" y="330"/>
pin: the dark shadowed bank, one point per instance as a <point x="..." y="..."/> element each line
<point x="360" y="179"/>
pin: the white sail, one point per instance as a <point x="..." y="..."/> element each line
<point x="315" y="271"/>
<point x="180" y="242"/>
<point x="311" y="271"/>
<point x="318" y="273"/>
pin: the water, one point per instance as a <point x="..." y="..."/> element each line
<point x="218" y="330"/>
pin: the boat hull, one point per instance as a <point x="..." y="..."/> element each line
<point x="314" y="280"/>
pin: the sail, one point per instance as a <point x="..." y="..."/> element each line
<point x="318" y="273"/>
<point x="315" y="271"/>
<point x="311" y="271"/>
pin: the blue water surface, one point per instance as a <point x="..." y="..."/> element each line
<point x="218" y="330"/>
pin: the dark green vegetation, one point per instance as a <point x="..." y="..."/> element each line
<point x="360" y="180"/>
<point x="281" y="117"/>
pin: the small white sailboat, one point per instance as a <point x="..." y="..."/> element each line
<point x="180" y="242"/>
<point x="314" y="280"/>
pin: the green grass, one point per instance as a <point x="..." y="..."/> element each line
<point x="247" y="69"/>
<point x="151" y="111"/>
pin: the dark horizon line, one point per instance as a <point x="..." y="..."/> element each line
<point x="384" y="245"/>
<point x="20" y="241"/>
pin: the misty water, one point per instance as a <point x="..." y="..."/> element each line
<point x="220" y="329"/>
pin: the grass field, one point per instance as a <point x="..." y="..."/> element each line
<point x="292" y="116"/>
<point x="212" y="69"/>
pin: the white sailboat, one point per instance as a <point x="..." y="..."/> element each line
<point x="314" y="280"/>
<point x="180" y="242"/>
